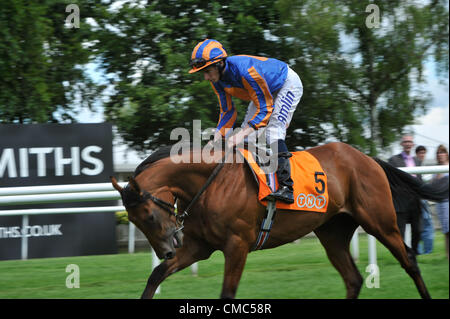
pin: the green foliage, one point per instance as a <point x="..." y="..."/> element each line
<point x="388" y="63"/>
<point x="367" y="89"/>
<point x="148" y="51"/>
<point x="122" y="218"/>
<point x="362" y="86"/>
<point x="41" y="62"/>
<point x="363" y="96"/>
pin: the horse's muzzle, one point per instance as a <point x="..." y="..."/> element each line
<point x="175" y="241"/>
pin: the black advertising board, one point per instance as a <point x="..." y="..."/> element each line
<point x="54" y="154"/>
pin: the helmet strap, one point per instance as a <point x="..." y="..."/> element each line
<point x="220" y="67"/>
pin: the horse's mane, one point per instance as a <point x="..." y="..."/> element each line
<point x="159" y="154"/>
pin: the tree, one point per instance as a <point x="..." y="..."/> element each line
<point x="310" y="41"/>
<point x="147" y="50"/>
<point x="361" y="83"/>
<point x="392" y="63"/>
<point x="41" y="62"/>
<point x="362" y="94"/>
<point x="371" y="83"/>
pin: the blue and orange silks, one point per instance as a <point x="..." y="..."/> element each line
<point x="249" y="78"/>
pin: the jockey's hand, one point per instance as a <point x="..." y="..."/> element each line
<point x="217" y="141"/>
<point x="238" y="138"/>
<point x="210" y="144"/>
<point x="230" y="143"/>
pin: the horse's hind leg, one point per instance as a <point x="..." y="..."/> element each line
<point x="381" y="223"/>
<point x="335" y="235"/>
<point x="407" y="259"/>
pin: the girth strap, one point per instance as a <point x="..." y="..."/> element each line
<point x="266" y="225"/>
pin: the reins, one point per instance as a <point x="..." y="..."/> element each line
<point x="204" y="187"/>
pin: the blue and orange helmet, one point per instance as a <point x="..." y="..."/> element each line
<point x="205" y="54"/>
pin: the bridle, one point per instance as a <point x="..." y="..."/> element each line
<point x="170" y="208"/>
<point x="145" y="196"/>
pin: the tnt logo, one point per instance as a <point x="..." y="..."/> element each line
<point x="311" y="201"/>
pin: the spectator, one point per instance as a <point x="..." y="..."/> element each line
<point x="405" y="159"/>
<point x="410" y="214"/>
<point x="421" y="151"/>
<point x="442" y="207"/>
<point x="427" y="234"/>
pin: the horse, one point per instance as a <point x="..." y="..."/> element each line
<point x="225" y="213"/>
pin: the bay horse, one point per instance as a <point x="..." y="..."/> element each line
<point x="227" y="216"/>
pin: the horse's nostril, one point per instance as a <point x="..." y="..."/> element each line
<point x="170" y="255"/>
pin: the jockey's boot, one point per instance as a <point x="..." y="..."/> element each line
<point x="285" y="192"/>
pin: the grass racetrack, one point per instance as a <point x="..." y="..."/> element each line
<point x="300" y="271"/>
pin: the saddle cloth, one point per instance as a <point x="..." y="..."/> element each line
<point x="310" y="182"/>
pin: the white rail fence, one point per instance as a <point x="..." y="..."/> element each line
<point x="13" y="196"/>
<point x="10" y="196"/>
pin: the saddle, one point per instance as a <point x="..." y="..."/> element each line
<point x="310" y="180"/>
<point x="310" y="186"/>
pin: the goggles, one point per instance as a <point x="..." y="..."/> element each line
<point x="198" y="63"/>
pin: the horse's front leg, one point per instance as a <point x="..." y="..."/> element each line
<point x="235" y="252"/>
<point x="164" y="270"/>
<point x="156" y="277"/>
<point x="185" y="256"/>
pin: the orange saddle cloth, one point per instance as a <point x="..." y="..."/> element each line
<point x="310" y="182"/>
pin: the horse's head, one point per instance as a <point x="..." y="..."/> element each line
<point x="154" y="214"/>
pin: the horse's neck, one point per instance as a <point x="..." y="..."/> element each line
<point x="183" y="174"/>
<point x="183" y="179"/>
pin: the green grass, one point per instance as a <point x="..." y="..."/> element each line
<point x="291" y="271"/>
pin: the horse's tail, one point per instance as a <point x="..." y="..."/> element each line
<point x="407" y="189"/>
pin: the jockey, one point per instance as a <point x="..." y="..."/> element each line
<point x="273" y="89"/>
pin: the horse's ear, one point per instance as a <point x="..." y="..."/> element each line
<point x="134" y="184"/>
<point x="115" y="184"/>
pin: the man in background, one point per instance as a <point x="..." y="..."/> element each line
<point x="427" y="234"/>
<point x="410" y="212"/>
<point x="421" y="151"/>
<point x="405" y="158"/>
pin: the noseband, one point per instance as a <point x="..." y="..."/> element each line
<point x="168" y="207"/>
